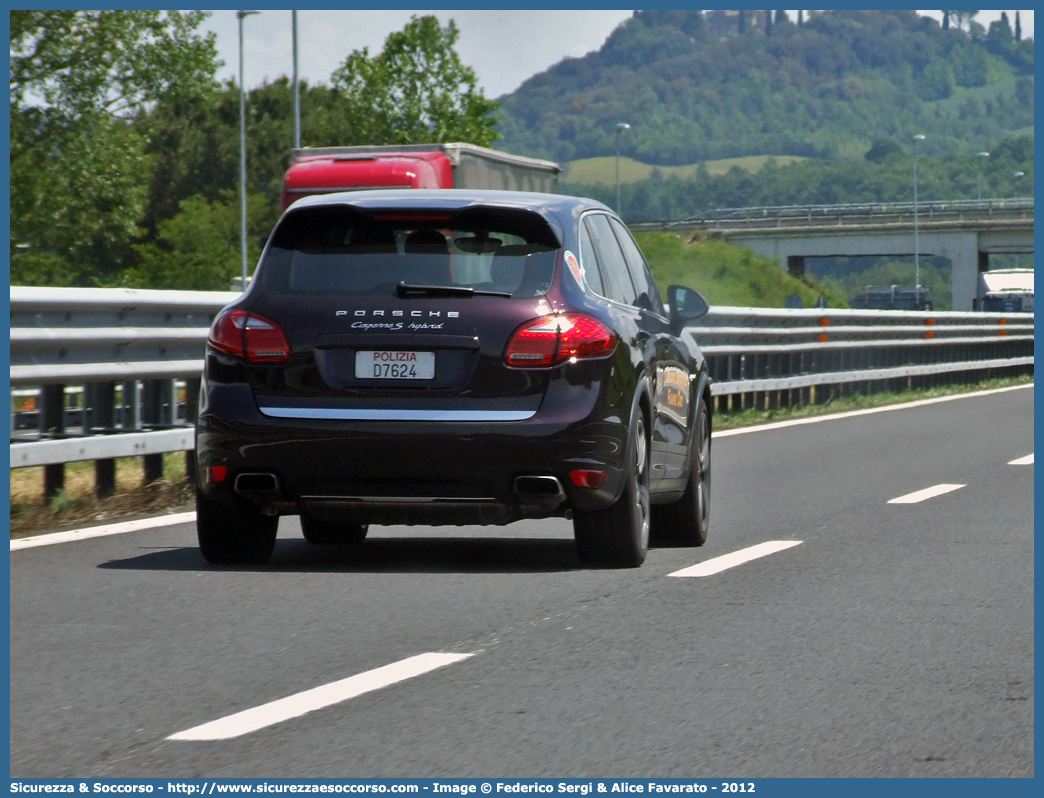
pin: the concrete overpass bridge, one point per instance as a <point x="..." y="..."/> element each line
<point x="966" y="232"/>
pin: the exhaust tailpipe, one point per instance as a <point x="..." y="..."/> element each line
<point x="543" y="490"/>
<point x="259" y="487"/>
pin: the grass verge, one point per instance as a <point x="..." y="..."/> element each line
<point x="726" y="274"/>
<point x="752" y="417"/>
<point x="77" y="506"/>
<point x="603" y="168"/>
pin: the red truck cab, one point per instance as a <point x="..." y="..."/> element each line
<point x="324" y="174"/>
<point x="326" y="170"/>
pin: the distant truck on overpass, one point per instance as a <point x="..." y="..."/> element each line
<point x="325" y="170"/>
<point x="893" y="297"/>
<point x="1005" y="291"/>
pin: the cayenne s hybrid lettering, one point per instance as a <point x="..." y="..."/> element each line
<point x="453" y="357"/>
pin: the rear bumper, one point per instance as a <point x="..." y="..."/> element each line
<point x="416" y="471"/>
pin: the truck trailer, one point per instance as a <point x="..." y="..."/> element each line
<point x="325" y="170"/>
<point x="1005" y="291"/>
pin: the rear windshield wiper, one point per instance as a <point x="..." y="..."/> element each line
<point x="409" y="289"/>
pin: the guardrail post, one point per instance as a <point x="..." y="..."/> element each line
<point x="102" y="418"/>
<point x="131" y="414"/>
<point x="151" y="416"/>
<point x="52" y="424"/>
<point x="191" y="408"/>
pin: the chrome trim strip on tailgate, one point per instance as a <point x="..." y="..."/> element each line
<point x="402" y="499"/>
<point x="349" y="414"/>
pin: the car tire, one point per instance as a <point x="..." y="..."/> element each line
<point x="237" y="535"/>
<point x="618" y="537"/>
<point x="684" y="523"/>
<point x="332" y="533"/>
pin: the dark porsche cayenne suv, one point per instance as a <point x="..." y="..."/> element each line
<point x="453" y="357"/>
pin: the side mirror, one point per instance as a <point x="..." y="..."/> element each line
<point x="686" y="305"/>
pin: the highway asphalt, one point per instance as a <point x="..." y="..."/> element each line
<point x="892" y="640"/>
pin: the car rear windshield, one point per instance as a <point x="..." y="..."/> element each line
<point x="345" y="252"/>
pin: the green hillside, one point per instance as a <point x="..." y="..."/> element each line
<point x="694" y="92"/>
<point x="726" y="274"/>
<point x="883" y="175"/>
<point x="603" y="169"/>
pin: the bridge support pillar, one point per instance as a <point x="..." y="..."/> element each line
<point x="962" y="250"/>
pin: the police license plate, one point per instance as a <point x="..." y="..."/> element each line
<point x="394" y="365"/>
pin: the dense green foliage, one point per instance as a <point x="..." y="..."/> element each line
<point x="726" y="274"/>
<point x="816" y="181"/>
<point x="78" y="162"/>
<point x="416" y="89"/>
<point x="125" y="150"/>
<point x="826" y="89"/>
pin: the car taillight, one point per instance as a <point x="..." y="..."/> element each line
<point x="550" y="340"/>
<point x="249" y="336"/>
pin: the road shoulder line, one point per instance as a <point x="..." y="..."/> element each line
<point x="796" y="422"/>
<point x="52" y="538"/>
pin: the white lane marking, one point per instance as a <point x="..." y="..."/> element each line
<point x="927" y="493"/>
<point x="869" y="411"/>
<point x="294" y="706"/>
<point x="102" y="531"/>
<point x="1027" y="460"/>
<point x="719" y="564"/>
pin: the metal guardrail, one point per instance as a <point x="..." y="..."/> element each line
<point x="116" y="372"/>
<point x="876" y="213"/>
<point x="69" y="336"/>
<point x="763" y="357"/>
<point x="133" y="361"/>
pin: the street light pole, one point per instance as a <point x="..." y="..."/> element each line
<point x="622" y="126"/>
<point x="1015" y="186"/>
<point x="978" y="161"/>
<point x="242" y="153"/>
<point x="297" y="89"/>
<point x="917" y="243"/>
<point x="1015" y="182"/>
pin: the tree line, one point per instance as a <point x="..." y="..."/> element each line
<point x="125" y="147"/>
<point x="885" y="174"/>
<point x="693" y="91"/>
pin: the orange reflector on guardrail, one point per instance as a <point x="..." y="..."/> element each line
<point x="823" y="337"/>
<point x="929" y="335"/>
<point x="929" y="322"/>
<point x="1003" y="332"/>
<point x="824" y="322"/>
<point x="1002" y="321"/>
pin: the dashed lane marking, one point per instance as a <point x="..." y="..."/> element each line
<point x="1027" y="460"/>
<point x="719" y="564"/>
<point x="102" y="531"/>
<point x="927" y="493"/>
<point x="250" y="720"/>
